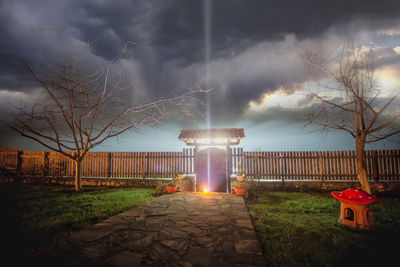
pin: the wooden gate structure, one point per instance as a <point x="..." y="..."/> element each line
<point x="225" y="137"/>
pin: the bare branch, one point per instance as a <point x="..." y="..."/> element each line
<point x="377" y="114"/>
<point x="341" y="106"/>
<point x="383" y="126"/>
<point x="383" y="137"/>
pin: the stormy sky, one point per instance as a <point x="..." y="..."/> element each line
<point x="247" y="51"/>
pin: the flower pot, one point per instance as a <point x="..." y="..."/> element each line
<point x="240" y="191"/>
<point x="171" y="189"/>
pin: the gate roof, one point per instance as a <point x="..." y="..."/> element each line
<point x="212" y="136"/>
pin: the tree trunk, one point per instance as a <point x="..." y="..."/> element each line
<point x="361" y="167"/>
<point x="78" y="186"/>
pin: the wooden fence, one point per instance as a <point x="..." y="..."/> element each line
<point x="99" y="164"/>
<point x="382" y="165"/>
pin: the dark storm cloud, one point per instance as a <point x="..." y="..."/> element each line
<point x="387" y="58"/>
<point x="240" y="22"/>
<point x="114" y="23"/>
<point x="10" y="51"/>
<point x="172" y="36"/>
<point x="169" y="37"/>
<point x="248" y="75"/>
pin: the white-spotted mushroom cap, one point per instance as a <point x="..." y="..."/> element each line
<point x="355" y="196"/>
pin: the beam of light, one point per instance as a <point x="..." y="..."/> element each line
<point x="207" y="55"/>
<point x="208" y="168"/>
<point x="205" y="190"/>
<point x="207" y="49"/>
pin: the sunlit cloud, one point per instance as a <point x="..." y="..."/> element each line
<point x="280" y="98"/>
<point x="390" y="31"/>
<point x="389" y="81"/>
<point x="10" y="101"/>
<point x="7" y="97"/>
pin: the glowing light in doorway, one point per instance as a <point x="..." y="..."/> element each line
<point x="207" y="57"/>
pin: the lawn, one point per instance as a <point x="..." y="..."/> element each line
<point x="301" y="229"/>
<point x="33" y="215"/>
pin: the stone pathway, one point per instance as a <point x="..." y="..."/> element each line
<point x="181" y="229"/>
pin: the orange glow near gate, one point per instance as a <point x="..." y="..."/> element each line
<point x="205" y="190"/>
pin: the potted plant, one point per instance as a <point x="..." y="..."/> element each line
<point x="239" y="177"/>
<point x="171" y="188"/>
<point x="240" y="187"/>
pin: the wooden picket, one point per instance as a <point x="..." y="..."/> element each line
<point x="9" y="158"/>
<point x="32" y="162"/>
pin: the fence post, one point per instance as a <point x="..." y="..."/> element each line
<point x="375" y="165"/>
<point x="45" y="165"/>
<point x="228" y="168"/>
<point x="18" y="158"/>
<point x="109" y="160"/>
<point x="144" y="165"/>
<point x="283" y="166"/>
<point x="321" y="167"/>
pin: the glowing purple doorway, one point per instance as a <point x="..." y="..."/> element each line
<point x="210" y="167"/>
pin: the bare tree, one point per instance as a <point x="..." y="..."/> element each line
<point x="81" y="110"/>
<point x="349" y="99"/>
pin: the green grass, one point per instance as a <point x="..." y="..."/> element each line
<point x="33" y="215"/>
<point x="301" y="229"/>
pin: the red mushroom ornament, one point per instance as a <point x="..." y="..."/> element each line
<point x="354" y="208"/>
